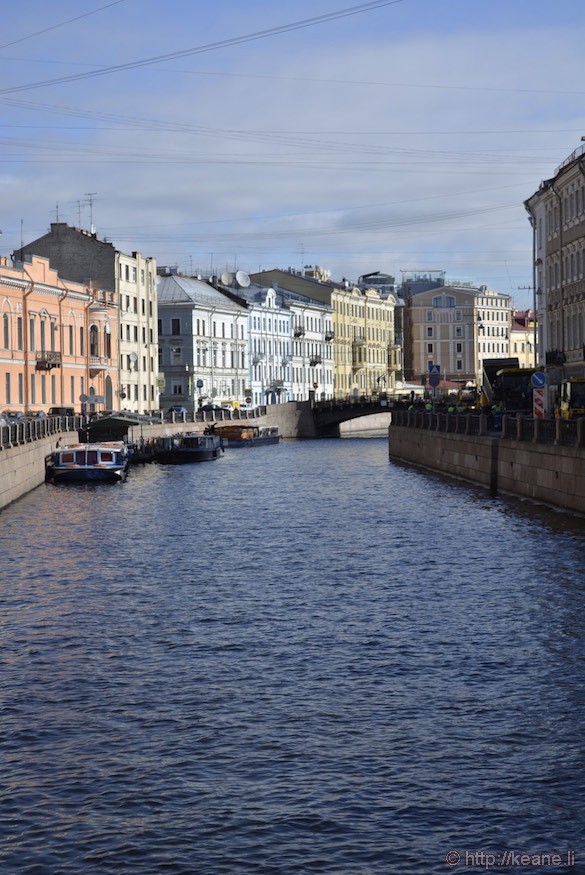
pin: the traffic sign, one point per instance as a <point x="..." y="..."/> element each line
<point x="248" y="399"/>
<point x="434" y="375"/>
<point x="538" y="403"/>
<point x="538" y="380"/>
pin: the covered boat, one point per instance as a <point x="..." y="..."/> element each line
<point x="245" y="435"/>
<point x="182" y="449"/>
<point x="104" y="461"/>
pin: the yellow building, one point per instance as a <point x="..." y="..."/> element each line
<point x="366" y="356"/>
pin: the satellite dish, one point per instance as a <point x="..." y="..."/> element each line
<point x="226" y="278"/>
<point x="133" y="357"/>
<point x="242" y="279"/>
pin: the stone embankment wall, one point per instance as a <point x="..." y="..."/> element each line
<point x="547" y="473"/>
<point x="468" y="457"/>
<point x="22" y="467"/>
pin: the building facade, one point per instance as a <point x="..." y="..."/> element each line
<point x="59" y="341"/>
<point x="80" y="256"/>
<point x="455" y="328"/>
<point x="557" y="216"/>
<point x="366" y="356"/>
<point x="203" y="343"/>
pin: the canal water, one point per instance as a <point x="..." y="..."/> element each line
<point x="296" y="659"/>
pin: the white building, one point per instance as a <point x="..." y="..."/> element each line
<point x="203" y="340"/>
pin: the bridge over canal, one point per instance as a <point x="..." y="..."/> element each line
<point x="311" y="419"/>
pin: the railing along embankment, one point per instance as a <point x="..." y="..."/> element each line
<point x="540" y="459"/>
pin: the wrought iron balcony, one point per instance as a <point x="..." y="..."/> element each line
<point x="329" y="335"/>
<point x="47" y="359"/>
<point x="316" y="360"/>
<point x="299" y="331"/>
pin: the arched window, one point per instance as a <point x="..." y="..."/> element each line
<point x="6" y="330"/>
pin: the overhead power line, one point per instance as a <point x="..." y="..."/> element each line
<point x="60" y="24"/>
<point x="209" y="47"/>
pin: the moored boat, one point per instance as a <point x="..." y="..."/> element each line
<point x="245" y="435"/>
<point x="190" y="447"/>
<point x="106" y="461"/>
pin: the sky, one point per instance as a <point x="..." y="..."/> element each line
<point x="394" y="135"/>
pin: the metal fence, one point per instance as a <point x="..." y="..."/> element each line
<point x="558" y="432"/>
<point x="18" y="433"/>
<point x="28" y="430"/>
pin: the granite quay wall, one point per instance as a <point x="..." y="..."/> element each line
<point x="543" y="460"/>
<point x="22" y="466"/>
<point x="467" y="456"/>
<point x="23" y="447"/>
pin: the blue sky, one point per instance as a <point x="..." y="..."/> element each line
<point x="401" y="137"/>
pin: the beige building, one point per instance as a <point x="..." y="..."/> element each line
<point x="557" y="216"/>
<point x="366" y="357"/>
<point x="81" y="256"/>
<point x="523" y="338"/>
<point x="456" y="328"/>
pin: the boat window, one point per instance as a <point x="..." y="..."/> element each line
<point x="107" y="456"/>
<point x="67" y="457"/>
<point x="92" y="457"/>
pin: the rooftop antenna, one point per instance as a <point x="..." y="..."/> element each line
<point x="78" y="213"/>
<point x="56" y="211"/>
<point x="21" y="234"/>
<point x="90" y="196"/>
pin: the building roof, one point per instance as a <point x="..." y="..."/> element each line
<point x="188" y="290"/>
<point x="308" y="287"/>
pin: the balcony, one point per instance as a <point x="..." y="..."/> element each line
<point x="329" y="335"/>
<point x="47" y="359"/>
<point x="256" y="359"/>
<point x="316" y="360"/>
<point x="97" y="363"/>
<point x="299" y="331"/>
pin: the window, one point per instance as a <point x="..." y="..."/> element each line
<point x="458" y="347"/>
<point x="459" y="365"/>
<point x="94" y="343"/>
<point x="429" y="347"/>
<point x="7" y="383"/>
<point x="160" y="331"/>
<point x="32" y="333"/>
<point x="6" y="330"/>
<point x="430" y="331"/>
<point x="458" y="331"/>
<point x="175" y="326"/>
<point x="175" y="355"/>
<point x="457" y="313"/>
<point x="19" y="333"/>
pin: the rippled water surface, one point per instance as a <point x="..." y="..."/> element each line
<point x="295" y="659"/>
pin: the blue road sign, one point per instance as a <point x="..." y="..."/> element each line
<point x="434" y="375"/>
<point x="538" y="380"/>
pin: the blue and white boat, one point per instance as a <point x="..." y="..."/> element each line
<point x="106" y="461"/>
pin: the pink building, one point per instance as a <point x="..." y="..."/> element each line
<point x="58" y="341"/>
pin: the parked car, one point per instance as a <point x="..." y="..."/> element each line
<point x="36" y="414"/>
<point x="61" y="411"/>
<point x="177" y="409"/>
<point x="13" y="416"/>
<point x="214" y="408"/>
